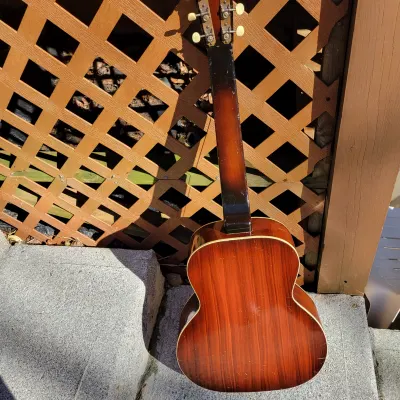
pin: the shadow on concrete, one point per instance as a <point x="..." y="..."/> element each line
<point x="5" y="393"/>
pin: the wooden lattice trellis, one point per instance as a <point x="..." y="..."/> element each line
<point x="296" y="66"/>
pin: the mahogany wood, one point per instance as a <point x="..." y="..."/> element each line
<point x="255" y="329"/>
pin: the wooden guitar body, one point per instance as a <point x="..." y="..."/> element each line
<point x="255" y="329"/>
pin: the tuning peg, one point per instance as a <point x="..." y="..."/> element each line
<point x="205" y="16"/>
<point x="239" y="8"/>
<point x="192" y="17"/>
<point x="240" y="30"/>
<point x="196" y="37"/>
<point x="227" y="36"/>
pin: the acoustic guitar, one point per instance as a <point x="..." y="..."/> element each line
<point x="248" y="327"/>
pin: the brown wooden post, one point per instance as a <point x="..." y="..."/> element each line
<point x="368" y="149"/>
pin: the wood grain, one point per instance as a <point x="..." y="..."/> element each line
<point x="250" y="332"/>
<point x="367" y="154"/>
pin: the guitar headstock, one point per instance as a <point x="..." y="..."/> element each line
<point x="216" y="18"/>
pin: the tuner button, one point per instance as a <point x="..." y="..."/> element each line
<point x="196" y="37"/>
<point x="239" y="9"/>
<point x="192" y="17"/>
<point x="240" y="30"/>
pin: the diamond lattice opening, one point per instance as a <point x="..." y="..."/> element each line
<point x="249" y="4"/>
<point x="12" y="134"/>
<point x="203" y="216"/>
<point x="312" y="224"/>
<point x="197" y="179"/>
<point x="182" y="234"/>
<point x="136" y="232"/>
<point x="74" y="197"/>
<point x="322" y="129"/>
<point x="88" y="177"/>
<point x="123" y="198"/>
<point x="254" y="131"/>
<point x="212" y="156"/>
<point x="205" y="103"/>
<point x="154" y="216"/>
<point x="57" y="42"/>
<point x="161" y="156"/>
<point x="287" y="157"/>
<point x="289" y="99"/>
<point x="7" y="228"/>
<point x="38" y="78"/>
<point x="91" y="231"/>
<point x="130" y="38"/>
<point x="7" y="159"/>
<point x="259" y="213"/>
<point x="164" y="249"/>
<point x="27" y="195"/>
<point x="105" y="76"/>
<point x="296" y="241"/>
<point x="218" y="199"/>
<point x="175" y="73"/>
<point x="38" y="176"/>
<point x="148" y="105"/>
<point x="106" y="156"/>
<point x="4" y="49"/>
<point x="66" y="134"/>
<point x="256" y="180"/>
<point x="106" y="215"/>
<point x="15" y="212"/>
<point x="60" y="213"/>
<point x="12" y="12"/>
<point x="260" y="67"/>
<point x="161" y="8"/>
<point x="187" y="132"/>
<point x="84" y="11"/>
<point x="24" y="109"/>
<point x="287" y="202"/>
<point x="174" y="199"/>
<point x="52" y="157"/>
<point x="46" y="229"/>
<point x="291" y="25"/>
<point x="84" y="107"/>
<point x="142" y="178"/>
<point x="318" y="180"/>
<point x="125" y="133"/>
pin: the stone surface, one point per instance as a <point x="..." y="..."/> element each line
<point x="4" y="245"/>
<point x="348" y="373"/>
<point x="386" y="348"/>
<point x="75" y="322"/>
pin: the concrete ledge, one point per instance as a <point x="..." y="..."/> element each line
<point x="75" y="322"/>
<point x="348" y="373"/>
<point x="386" y="348"/>
<point x="4" y="245"/>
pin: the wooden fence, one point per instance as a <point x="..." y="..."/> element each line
<point x="149" y="179"/>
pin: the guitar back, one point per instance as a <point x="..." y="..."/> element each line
<point x="255" y="329"/>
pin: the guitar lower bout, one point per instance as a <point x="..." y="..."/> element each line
<point x="255" y="329"/>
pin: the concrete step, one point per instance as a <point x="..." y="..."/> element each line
<point x="75" y="322"/>
<point x="386" y="349"/>
<point x="348" y="373"/>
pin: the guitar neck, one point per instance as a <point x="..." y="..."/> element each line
<point x="232" y="169"/>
